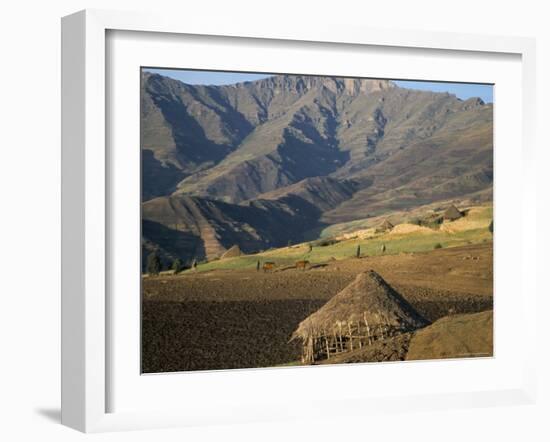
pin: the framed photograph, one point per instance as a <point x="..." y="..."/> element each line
<point x="254" y="215"/>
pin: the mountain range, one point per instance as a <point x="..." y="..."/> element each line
<point x="266" y="162"/>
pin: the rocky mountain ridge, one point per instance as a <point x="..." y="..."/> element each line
<point x="303" y="150"/>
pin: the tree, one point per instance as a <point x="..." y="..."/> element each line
<point x="358" y="253"/>
<point x="383" y="248"/>
<point x="177" y="265"/>
<point x="153" y="263"/>
<point x="310" y="248"/>
<point x="258" y="265"/>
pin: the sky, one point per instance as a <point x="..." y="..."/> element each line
<point x="461" y="90"/>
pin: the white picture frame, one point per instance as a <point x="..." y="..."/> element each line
<point x="86" y="315"/>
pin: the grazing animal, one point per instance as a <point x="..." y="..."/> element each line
<point x="302" y="264"/>
<point x="268" y="266"/>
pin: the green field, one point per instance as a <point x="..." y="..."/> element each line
<point x="413" y="242"/>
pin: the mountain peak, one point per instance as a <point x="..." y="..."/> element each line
<point x="304" y="83"/>
<point x="354" y="86"/>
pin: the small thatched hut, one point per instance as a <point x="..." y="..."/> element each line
<point x="386" y="226"/>
<point x="452" y="213"/>
<point x="367" y="310"/>
<point x="232" y="252"/>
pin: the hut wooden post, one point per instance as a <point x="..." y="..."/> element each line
<point x="350" y="337"/>
<point x="367" y="325"/>
<point x="388" y="326"/>
<point x="383" y="331"/>
<point x="380" y="325"/>
<point x="359" y="334"/>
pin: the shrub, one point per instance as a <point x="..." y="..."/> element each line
<point x="438" y="246"/>
<point x="177" y="265"/>
<point x="153" y="263"/>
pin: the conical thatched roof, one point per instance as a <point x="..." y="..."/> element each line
<point x="386" y="225"/>
<point x="232" y="252"/>
<point x="368" y="301"/>
<point x="452" y="213"/>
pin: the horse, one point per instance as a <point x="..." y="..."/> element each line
<point x="268" y="266"/>
<point x="301" y="264"/>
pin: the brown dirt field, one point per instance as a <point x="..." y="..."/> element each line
<point x="241" y="318"/>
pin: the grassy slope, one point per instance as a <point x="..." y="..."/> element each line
<point x="470" y="230"/>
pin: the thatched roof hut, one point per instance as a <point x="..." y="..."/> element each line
<point x="452" y="213"/>
<point x="386" y="226"/>
<point x="232" y="252"/>
<point x="367" y="310"/>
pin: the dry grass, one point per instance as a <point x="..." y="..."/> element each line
<point x="457" y="336"/>
<point x="406" y="228"/>
<point x="477" y="218"/>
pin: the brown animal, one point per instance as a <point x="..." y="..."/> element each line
<point x="268" y="266"/>
<point x="302" y="264"/>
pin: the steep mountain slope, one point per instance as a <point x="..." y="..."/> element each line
<point x="324" y="193"/>
<point x="260" y="163"/>
<point x="185" y="128"/>
<point x="278" y="130"/>
<point x="298" y="139"/>
<point x="450" y="163"/>
<point x="194" y="227"/>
